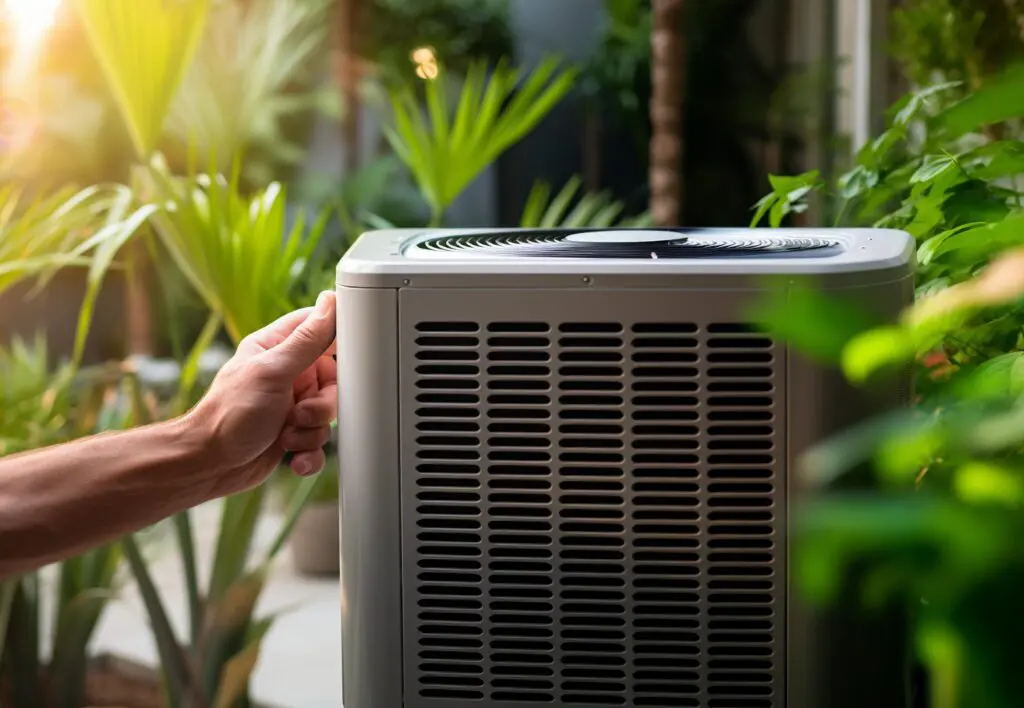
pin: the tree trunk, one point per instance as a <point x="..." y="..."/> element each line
<point x="347" y="29"/>
<point x="667" y="83"/>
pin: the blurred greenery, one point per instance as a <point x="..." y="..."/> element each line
<point x="458" y="31"/>
<point x="941" y="533"/>
<point x="45" y="405"/>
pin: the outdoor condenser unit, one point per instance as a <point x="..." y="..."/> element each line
<point x="567" y="470"/>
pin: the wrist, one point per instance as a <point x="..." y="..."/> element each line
<point x="196" y="451"/>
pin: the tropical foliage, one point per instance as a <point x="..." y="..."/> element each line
<point x="941" y="532"/>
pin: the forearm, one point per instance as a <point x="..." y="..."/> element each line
<point x="60" y="501"/>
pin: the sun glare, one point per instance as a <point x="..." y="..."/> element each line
<point x="29" y="20"/>
<point x="25" y="24"/>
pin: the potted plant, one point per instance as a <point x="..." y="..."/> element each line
<point x="314" y="544"/>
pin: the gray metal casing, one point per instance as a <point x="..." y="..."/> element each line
<point x="494" y="504"/>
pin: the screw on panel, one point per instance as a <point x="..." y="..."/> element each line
<point x="405" y="282"/>
<point x="586" y="279"/>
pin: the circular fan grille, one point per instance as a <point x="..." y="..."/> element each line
<point x="624" y="244"/>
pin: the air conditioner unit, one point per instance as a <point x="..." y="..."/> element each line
<point x="566" y="465"/>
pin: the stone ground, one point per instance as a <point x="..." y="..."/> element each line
<point x="300" y="664"/>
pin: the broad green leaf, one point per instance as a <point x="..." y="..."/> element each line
<point x="814" y="323"/>
<point x="145" y="49"/>
<point x="989" y="483"/>
<point x="857" y="181"/>
<point x="998" y="377"/>
<point x="875" y="349"/>
<point x="934" y="166"/>
<point x="1000" y="99"/>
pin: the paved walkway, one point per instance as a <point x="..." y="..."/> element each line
<point x="300" y="665"/>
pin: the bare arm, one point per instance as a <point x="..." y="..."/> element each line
<point x="60" y="501"/>
<point x="276" y="395"/>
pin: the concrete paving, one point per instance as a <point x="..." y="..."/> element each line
<point x="300" y="664"/>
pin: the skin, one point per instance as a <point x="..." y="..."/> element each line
<point x="276" y="395"/>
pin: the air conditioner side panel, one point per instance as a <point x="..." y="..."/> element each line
<point x="370" y="515"/>
<point x="843" y="655"/>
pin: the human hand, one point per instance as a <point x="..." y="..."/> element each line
<point x="277" y="394"/>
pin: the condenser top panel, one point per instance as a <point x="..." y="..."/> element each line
<point x="455" y="252"/>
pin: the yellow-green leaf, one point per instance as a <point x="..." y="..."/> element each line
<point x="982" y="482"/>
<point x="872" y="350"/>
<point x="145" y="48"/>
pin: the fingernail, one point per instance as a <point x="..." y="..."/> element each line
<point x="301" y="468"/>
<point x="321" y="304"/>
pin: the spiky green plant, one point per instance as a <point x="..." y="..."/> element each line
<point x="590" y="210"/>
<point x="42" y="405"/>
<point x="446" y="150"/>
<point x="256" y="67"/>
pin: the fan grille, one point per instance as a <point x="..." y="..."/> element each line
<point x="618" y="245"/>
<point x="594" y="515"/>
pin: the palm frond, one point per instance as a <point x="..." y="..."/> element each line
<point x="245" y="256"/>
<point x="144" y="49"/>
<point x="444" y="151"/>
<point x="240" y="85"/>
<point x="591" y="210"/>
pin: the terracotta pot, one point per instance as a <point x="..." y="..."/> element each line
<point x="118" y="683"/>
<point x="315" y="542"/>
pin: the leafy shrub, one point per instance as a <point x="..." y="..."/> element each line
<point x="941" y="533"/>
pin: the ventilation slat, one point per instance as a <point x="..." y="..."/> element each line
<point x="595" y="514"/>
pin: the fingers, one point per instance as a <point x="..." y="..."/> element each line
<point x="276" y="332"/>
<point x="316" y="411"/>
<point x="308" y="463"/>
<point x="310" y="340"/>
<point x="305" y="439"/>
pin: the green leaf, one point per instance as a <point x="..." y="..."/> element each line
<point x="857" y="181"/>
<point x="7" y="591"/>
<point x="875" y="349"/>
<point x="239" y="516"/>
<point x="972" y="245"/>
<point x="933" y="247"/>
<point x="596" y="210"/>
<point x="981" y="482"/>
<point x="144" y="49"/>
<point x="1000" y="376"/>
<point x="303" y="492"/>
<point x="995" y="160"/>
<point x="22" y="645"/>
<point x="446" y="153"/>
<point x="816" y="324"/>
<point x="234" y="679"/>
<point x="187" y="551"/>
<point x="182" y="684"/>
<point x="227" y="626"/>
<point x="1000" y="99"/>
<point x="933" y="167"/>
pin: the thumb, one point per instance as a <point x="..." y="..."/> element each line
<point x="308" y="341"/>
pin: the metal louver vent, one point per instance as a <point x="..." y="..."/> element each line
<point x="593" y="515"/>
